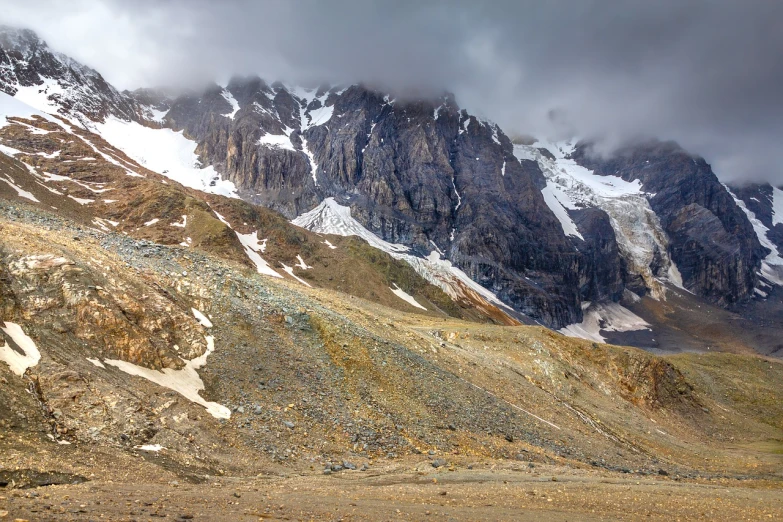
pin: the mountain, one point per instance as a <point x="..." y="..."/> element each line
<point x="428" y="175"/>
<point x="543" y="229"/>
<point x="316" y="293"/>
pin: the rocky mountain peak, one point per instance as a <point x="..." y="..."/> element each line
<point x="43" y="78"/>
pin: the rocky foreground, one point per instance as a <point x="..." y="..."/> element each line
<point x="316" y="404"/>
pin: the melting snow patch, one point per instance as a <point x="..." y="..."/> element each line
<point x="201" y="318"/>
<point x="320" y="116"/>
<point x="290" y="271"/>
<point x="183" y="224"/>
<point x="222" y="219"/>
<point x="459" y="198"/>
<point x="311" y="159"/>
<point x="186" y="381"/>
<point x="777" y="206"/>
<point x="609" y="317"/>
<point x="96" y="362"/>
<point x="301" y="264"/>
<point x="252" y="248"/>
<point x="559" y="209"/>
<point x="150" y="447"/>
<point x="19" y="362"/>
<point x="232" y="101"/>
<point x="20" y="192"/>
<point x="327" y="243"/>
<point x="18" y="107"/>
<point x="81" y="201"/>
<point x="402" y="294"/>
<point x="332" y="218"/>
<point x="151" y="222"/>
<point x="637" y="228"/>
<point x="772" y="265"/>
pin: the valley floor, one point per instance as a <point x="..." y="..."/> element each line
<point x="409" y="491"/>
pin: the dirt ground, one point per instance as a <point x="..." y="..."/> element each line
<point x="412" y="490"/>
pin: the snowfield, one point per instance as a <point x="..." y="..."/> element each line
<point x="166" y="152"/>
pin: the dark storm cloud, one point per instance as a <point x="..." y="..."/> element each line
<point x="705" y="73"/>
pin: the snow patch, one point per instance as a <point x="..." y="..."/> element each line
<point x="311" y="159"/>
<point x="19" y="362"/>
<point x="329" y="217"/>
<point x="772" y="265"/>
<point x="186" y="381"/>
<point x="96" y="362"/>
<point x="402" y="294"/>
<point x="81" y="201"/>
<point x="151" y="222"/>
<point x="609" y="317"/>
<point x="777" y="206"/>
<point x="276" y="141"/>
<point x="19" y="107"/>
<point x="252" y="248"/>
<point x="150" y="447"/>
<point x="232" y="101"/>
<point x="290" y="271"/>
<point x="19" y="191"/>
<point x="552" y="198"/>
<point x="301" y="264"/>
<point x="459" y="198"/>
<point x="201" y="318"/>
<point x="640" y="236"/>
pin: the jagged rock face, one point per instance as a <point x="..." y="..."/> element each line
<point x="422" y="173"/>
<point x="602" y="275"/>
<point x="711" y="240"/>
<point x="26" y="62"/>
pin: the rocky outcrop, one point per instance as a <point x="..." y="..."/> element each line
<point x="711" y="240"/>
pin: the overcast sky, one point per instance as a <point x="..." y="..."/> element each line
<point x="706" y="73"/>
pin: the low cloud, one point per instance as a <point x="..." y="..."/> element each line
<point x="704" y="73"/>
